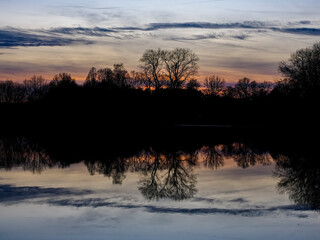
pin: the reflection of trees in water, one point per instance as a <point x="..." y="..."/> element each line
<point x="213" y="156"/>
<point x="17" y="152"/>
<point x="167" y="172"/>
<point x="169" y="175"/>
<point x="245" y="155"/>
<point x="36" y="158"/>
<point x="114" y="168"/>
<point x="299" y="178"/>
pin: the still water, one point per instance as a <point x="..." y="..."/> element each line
<point x="221" y="190"/>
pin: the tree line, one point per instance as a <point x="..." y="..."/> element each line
<point x="176" y="69"/>
<point x="164" y="92"/>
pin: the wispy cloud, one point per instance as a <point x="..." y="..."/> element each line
<point x="275" y="26"/>
<point x="208" y="36"/>
<point x="17" y="38"/>
<point x="98" y="32"/>
<point x="12" y="37"/>
<point x="300" y="31"/>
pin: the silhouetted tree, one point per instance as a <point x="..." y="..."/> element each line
<point x="193" y="84"/>
<point x="120" y="75"/>
<point x="106" y="77"/>
<point x="243" y="88"/>
<point x="63" y="81"/>
<point x="152" y="67"/>
<point x="302" y="71"/>
<point x="12" y="92"/>
<point x="36" y="87"/>
<point x="248" y="89"/>
<point x="214" y="85"/>
<point x="180" y="64"/>
<point x="136" y="79"/>
<point x="91" y="80"/>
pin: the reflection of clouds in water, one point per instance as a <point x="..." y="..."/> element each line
<point x="83" y="199"/>
<point x="11" y="194"/>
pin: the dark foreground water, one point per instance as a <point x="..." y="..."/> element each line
<point x="221" y="190"/>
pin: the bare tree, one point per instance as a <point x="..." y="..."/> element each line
<point x="11" y="92"/>
<point x="247" y="89"/>
<point x="180" y="65"/>
<point x="214" y="85"/>
<point x="35" y="87"/>
<point x="105" y="75"/>
<point x="63" y="80"/>
<point x="120" y="75"/>
<point x="193" y="84"/>
<point x="91" y="79"/>
<point x="136" y="79"/>
<point x="152" y="67"/>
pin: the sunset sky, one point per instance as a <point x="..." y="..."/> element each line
<point x="233" y="38"/>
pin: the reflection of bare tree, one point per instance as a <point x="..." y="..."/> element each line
<point x="18" y="151"/>
<point x="213" y="157"/>
<point x="300" y="179"/>
<point x="247" y="156"/>
<point x="169" y="175"/>
<point x="114" y="168"/>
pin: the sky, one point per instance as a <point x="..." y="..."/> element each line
<point x="233" y="38"/>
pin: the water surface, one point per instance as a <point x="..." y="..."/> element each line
<point x="227" y="190"/>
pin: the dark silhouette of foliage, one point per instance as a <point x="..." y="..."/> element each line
<point x="36" y="87"/>
<point x="63" y="81"/>
<point x="91" y="80"/>
<point x="302" y="71"/>
<point x="214" y="85"/>
<point x="11" y="92"/>
<point x="193" y="84"/>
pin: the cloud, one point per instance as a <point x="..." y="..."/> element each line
<point x="300" y="31"/>
<point x="247" y="25"/>
<point x="199" y="25"/>
<point x="17" y="38"/>
<point x="209" y="36"/>
<point x="99" y="32"/>
<point x="64" y="36"/>
<point x="11" y="194"/>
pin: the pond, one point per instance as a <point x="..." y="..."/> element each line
<point x="228" y="189"/>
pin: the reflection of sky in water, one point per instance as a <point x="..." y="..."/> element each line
<point x="230" y="203"/>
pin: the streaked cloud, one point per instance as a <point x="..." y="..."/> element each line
<point x="12" y="37"/>
<point x="17" y="38"/>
